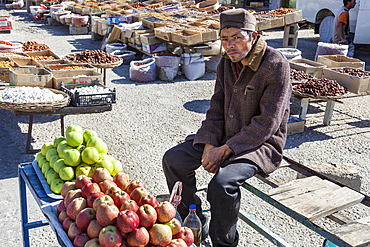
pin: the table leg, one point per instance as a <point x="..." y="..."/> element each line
<point x="62" y="124"/>
<point x="29" y="136"/>
<point x="303" y="110"/>
<point x="104" y="76"/>
<point x="24" y="213"/>
<point x="328" y="112"/>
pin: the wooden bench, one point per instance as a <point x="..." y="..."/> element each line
<point x="309" y="199"/>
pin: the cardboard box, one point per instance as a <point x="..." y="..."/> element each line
<point x="308" y="66"/>
<point x="256" y="4"/>
<point x="119" y="19"/>
<point x="154" y="48"/>
<point x="122" y="38"/>
<point x="187" y="37"/>
<point x="111" y="37"/>
<point x="34" y="54"/>
<point x="6" y="23"/>
<point x="102" y="27"/>
<point x="295" y="125"/>
<point x="34" y="77"/>
<point x="4" y="72"/>
<point x="354" y="84"/>
<point x="74" y="30"/>
<point x="149" y="39"/>
<point x="75" y="77"/>
<point x="340" y="61"/>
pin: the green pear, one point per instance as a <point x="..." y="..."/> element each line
<point x="97" y="143"/>
<point x="45" y="167"/>
<point x="105" y="164"/>
<point x="74" y="139"/>
<point x="42" y="161"/>
<point x="50" y="153"/>
<point x="72" y="157"/>
<point x="57" y="140"/>
<point x="39" y="156"/>
<point x="46" y="147"/>
<point x="51" y="176"/>
<point x="90" y="155"/>
<point x="53" y="160"/>
<point x="117" y="167"/>
<point x="63" y="149"/>
<point x="56" y="186"/>
<point x="74" y="128"/>
<point x="60" y="145"/>
<point x="66" y="173"/>
<point x="88" y="134"/>
<point x="59" y="164"/>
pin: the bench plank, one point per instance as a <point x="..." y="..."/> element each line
<point x="306" y="194"/>
<point x="293" y="185"/>
<point x="356" y="234"/>
<point x="337" y="200"/>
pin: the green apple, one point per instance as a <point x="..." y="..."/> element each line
<point x="50" y="153"/>
<point x="103" y="156"/>
<point x="66" y="173"/>
<point x="81" y="148"/>
<point x="72" y="157"/>
<point x="90" y="155"/>
<point x="105" y="164"/>
<point x="63" y="149"/>
<point x="56" y="186"/>
<point x="88" y="134"/>
<point x="51" y="176"/>
<point x="74" y="128"/>
<point x="59" y="164"/>
<point x="53" y="160"/>
<point x="74" y="139"/>
<point x="46" y="147"/>
<point x="84" y="169"/>
<point x="39" y="156"/>
<point x="48" y="171"/>
<point x="45" y="167"/>
<point x="97" y="143"/>
<point x="42" y="161"/>
<point x="57" y="140"/>
<point x="117" y="167"/>
<point x="60" y="145"/>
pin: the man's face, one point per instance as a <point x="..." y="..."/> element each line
<point x="352" y="4"/>
<point x="236" y="43"/>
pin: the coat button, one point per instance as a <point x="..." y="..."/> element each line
<point x="235" y="90"/>
<point x="231" y="116"/>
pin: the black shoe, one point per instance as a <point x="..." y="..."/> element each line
<point x="205" y="227"/>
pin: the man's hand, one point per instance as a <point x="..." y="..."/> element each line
<point x="344" y="41"/>
<point x="213" y="157"/>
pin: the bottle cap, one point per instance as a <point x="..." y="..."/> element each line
<point x="192" y="207"/>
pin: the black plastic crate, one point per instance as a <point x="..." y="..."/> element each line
<point x="78" y="99"/>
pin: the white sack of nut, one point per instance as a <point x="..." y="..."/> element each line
<point x="29" y="95"/>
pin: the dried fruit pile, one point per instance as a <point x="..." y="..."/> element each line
<point x="34" y="46"/>
<point x="321" y="87"/>
<point x="282" y="11"/>
<point x="354" y="72"/>
<point x="92" y="57"/>
<point x="71" y="67"/>
<point x="138" y="5"/>
<point x="6" y="43"/>
<point x="220" y="10"/>
<point x="299" y="75"/>
<point x="6" y="64"/>
<point x="42" y="58"/>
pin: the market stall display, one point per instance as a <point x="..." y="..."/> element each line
<point x="34" y="46"/>
<point x="320" y="88"/>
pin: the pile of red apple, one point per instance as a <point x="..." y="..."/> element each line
<point x="101" y="211"/>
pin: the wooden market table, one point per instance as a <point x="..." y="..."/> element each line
<point x="68" y="110"/>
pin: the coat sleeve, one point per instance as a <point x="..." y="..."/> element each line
<point x="274" y="106"/>
<point x="212" y="129"/>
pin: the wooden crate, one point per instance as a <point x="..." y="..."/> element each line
<point x="256" y="4"/>
<point x="150" y="21"/>
<point x="293" y="17"/>
<point x="308" y="66"/>
<point x="263" y="24"/>
<point x="4" y="72"/>
<point x="166" y="33"/>
<point x="34" y="54"/>
<point x="187" y="37"/>
<point x="26" y="62"/>
<point x="340" y="61"/>
<point x="354" y="84"/>
<point x="44" y="63"/>
<point x="295" y="125"/>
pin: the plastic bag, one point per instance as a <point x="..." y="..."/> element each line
<point x="290" y="53"/>
<point x="167" y="73"/>
<point x="331" y="49"/>
<point x="109" y="48"/>
<point x="188" y="58"/>
<point x="127" y="56"/>
<point x="145" y="72"/>
<point x="194" y="71"/>
<point x="18" y="5"/>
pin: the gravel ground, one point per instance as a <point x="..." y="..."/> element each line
<point x="149" y="118"/>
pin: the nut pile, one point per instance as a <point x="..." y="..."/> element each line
<point x="90" y="90"/>
<point x="29" y="95"/>
<point x="354" y="72"/>
<point x="92" y="57"/>
<point x="42" y="58"/>
<point x="34" y="46"/>
<point x="220" y="10"/>
<point x="321" y="87"/>
<point x="299" y="75"/>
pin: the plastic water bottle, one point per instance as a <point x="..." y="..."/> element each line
<point x="193" y="222"/>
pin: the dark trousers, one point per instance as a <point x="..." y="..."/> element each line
<point x="223" y="194"/>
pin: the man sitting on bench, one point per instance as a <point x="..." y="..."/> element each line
<point x="244" y="131"/>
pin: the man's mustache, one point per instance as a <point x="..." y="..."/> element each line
<point x="231" y="50"/>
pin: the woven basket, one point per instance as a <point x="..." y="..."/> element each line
<point x="37" y="107"/>
<point x="100" y="65"/>
<point x="305" y="95"/>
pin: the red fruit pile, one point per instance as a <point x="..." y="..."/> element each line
<point x="101" y="211"/>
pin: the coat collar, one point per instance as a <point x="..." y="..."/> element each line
<point x="255" y="55"/>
